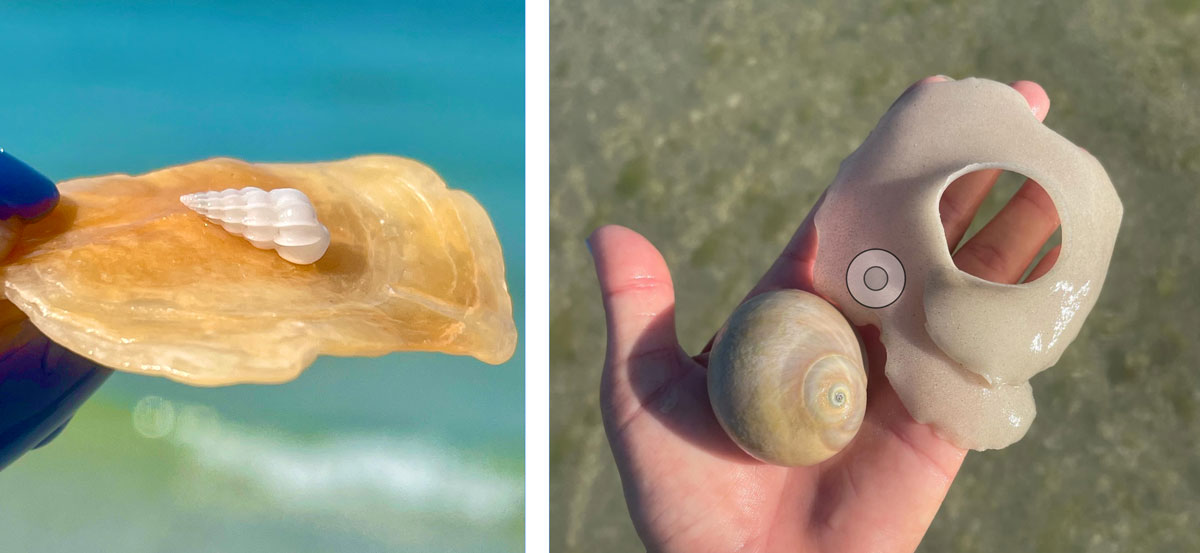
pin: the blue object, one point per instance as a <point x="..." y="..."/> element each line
<point x="41" y="383"/>
<point x="24" y="192"/>
<point x="41" y="386"/>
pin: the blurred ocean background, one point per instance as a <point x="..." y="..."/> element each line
<point x="713" y="126"/>
<point x="408" y="452"/>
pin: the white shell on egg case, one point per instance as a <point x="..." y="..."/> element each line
<point x="283" y="219"/>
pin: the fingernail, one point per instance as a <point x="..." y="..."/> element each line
<point x="54" y="434"/>
<point x="914" y="85"/>
<point x="24" y="192"/>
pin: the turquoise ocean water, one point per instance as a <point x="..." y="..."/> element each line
<point x="408" y="452"/>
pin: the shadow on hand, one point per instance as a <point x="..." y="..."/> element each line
<point x="673" y="388"/>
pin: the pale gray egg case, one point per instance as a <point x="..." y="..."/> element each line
<point x="961" y="349"/>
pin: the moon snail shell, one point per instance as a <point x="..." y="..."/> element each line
<point x="283" y="219"/>
<point x="786" y="378"/>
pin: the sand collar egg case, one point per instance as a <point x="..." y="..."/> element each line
<point x="961" y="350"/>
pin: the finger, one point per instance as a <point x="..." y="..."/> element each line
<point x="883" y="490"/>
<point x="911" y="87"/>
<point x="895" y="464"/>
<point x="1045" y="264"/>
<point x="639" y="305"/>
<point x="1007" y="244"/>
<point x="961" y="200"/>
<point x="793" y="267"/>
<point x="1035" y="96"/>
<point x="41" y="386"/>
<point x="54" y="434"/>
<point x="24" y="192"/>
<point x="10" y="232"/>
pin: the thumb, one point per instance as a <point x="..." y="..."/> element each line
<point x="41" y="386"/>
<point x="25" y="195"/>
<point x="639" y="305"/>
<point x="24" y="192"/>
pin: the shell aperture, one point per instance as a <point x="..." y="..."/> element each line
<point x="786" y="378"/>
<point x="283" y="219"/>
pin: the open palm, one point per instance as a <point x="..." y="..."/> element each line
<point x="691" y="489"/>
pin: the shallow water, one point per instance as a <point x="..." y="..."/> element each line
<point x="407" y="452"/>
<point x="712" y="127"/>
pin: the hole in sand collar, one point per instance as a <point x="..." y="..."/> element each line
<point x="1022" y="236"/>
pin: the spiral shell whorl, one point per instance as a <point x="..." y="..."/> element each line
<point x="283" y="220"/>
<point x="786" y="378"/>
<point x="834" y="393"/>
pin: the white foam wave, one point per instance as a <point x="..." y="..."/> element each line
<point x="360" y="472"/>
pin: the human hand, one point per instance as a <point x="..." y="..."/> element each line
<point x="689" y="488"/>
<point x="41" y="383"/>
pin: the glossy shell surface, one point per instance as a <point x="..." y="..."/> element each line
<point x="124" y="274"/>
<point x="786" y="378"/>
<point x="283" y="219"/>
<point x="960" y="349"/>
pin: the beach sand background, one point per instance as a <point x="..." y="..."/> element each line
<point x="713" y="126"/>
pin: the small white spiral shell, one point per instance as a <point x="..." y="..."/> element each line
<point x="283" y="220"/>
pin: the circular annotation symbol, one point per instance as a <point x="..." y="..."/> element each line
<point x="875" y="278"/>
